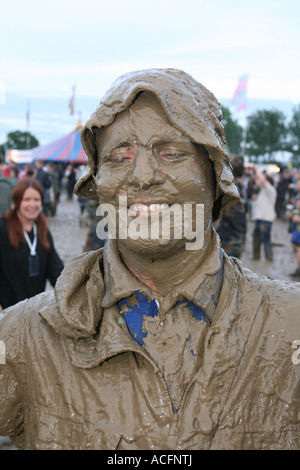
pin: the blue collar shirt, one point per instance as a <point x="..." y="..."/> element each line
<point x="171" y="329"/>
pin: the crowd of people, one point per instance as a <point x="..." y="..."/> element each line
<point x="28" y="258"/>
<point x="29" y="194"/>
<point x="264" y="197"/>
<point x="54" y="177"/>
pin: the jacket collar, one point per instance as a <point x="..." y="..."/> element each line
<point x="203" y="288"/>
<point x="81" y="312"/>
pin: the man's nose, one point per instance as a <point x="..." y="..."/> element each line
<point x="146" y="170"/>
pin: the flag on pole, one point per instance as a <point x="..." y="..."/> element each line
<point x="72" y="102"/>
<point x="240" y="95"/>
<point x="28" y="125"/>
<point x="28" y="115"/>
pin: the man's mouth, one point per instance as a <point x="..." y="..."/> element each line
<point x="146" y="209"/>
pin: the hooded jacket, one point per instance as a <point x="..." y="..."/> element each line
<point x="74" y="378"/>
<point x="188" y="105"/>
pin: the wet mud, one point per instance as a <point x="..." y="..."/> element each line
<point x="79" y="296"/>
<point x="70" y="237"/>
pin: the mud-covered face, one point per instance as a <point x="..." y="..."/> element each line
<point x="147" y="160"/>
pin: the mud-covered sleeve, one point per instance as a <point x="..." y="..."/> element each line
<point x="11" y="416"/>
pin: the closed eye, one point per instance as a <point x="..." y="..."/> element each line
<point x="124" y="153"/>
<point x="172" y="155"/>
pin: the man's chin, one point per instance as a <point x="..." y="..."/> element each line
<point x="152" y="247"/>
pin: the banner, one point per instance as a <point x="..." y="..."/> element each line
<point x="240" y="95"/>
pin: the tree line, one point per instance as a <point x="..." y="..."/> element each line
<point x="18" y="140"/>
<point x="267" y="132"/>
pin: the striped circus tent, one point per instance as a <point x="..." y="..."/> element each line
<point x="67" y="149"/>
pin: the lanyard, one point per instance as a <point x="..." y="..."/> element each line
<point x="32" y="246"/>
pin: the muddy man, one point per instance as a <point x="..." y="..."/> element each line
<point x="159" y="340"/>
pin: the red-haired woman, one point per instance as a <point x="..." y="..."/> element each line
<point x="27" y="253"/>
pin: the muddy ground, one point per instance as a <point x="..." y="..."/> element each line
<point x="70" y="238"/>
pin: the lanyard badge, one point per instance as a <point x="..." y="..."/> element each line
<point x="33" y="259"/>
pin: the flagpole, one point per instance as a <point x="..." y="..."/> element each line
<point x="244" y="125"/>
<point x="240" y="102"/>
<point x="244" y="140"/>
<point x="27" y="124"/>
<point x="72" y="101"/>
<point x="79" y="123"/>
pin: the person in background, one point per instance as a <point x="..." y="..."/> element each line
<point x="252" y="190"/>
<point x="282" y="193"/>
<point x="82" y="211"/>
<point x="13" y="176"/>
<point x="83" y="217"/>
<point x="55" y="188"/>
<point x="27" y="253"/>
<point x="293" y="214"/>
<point x="71" y="181"/>
<point x="93" y="242"/>
<point x="44" y="179"/>
<point x="60" y="172"/>
<point x="27" y="172"/>
<point x="232" y="225"/>
<point x="5" y="194"/>
<point x="263" y="214"/>
<point x="11" y="166"/>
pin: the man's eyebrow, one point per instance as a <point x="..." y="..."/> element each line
<point x="114" y="144"/>
<point x="172" y="140"/>
<point x="164" y="140"/>
<point x="125" y="143"/>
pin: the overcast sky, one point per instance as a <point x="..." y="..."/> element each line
<point x="47" y="47"/>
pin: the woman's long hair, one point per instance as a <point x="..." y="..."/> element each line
<point x="15" y="230"/>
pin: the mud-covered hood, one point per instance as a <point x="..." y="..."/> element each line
<point x="188" y="105"/>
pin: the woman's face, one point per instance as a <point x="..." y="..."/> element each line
<point x="30" y="206"/>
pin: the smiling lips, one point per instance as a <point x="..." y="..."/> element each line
<point x="145" y="209"/>
<point x="31" y="212"/>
